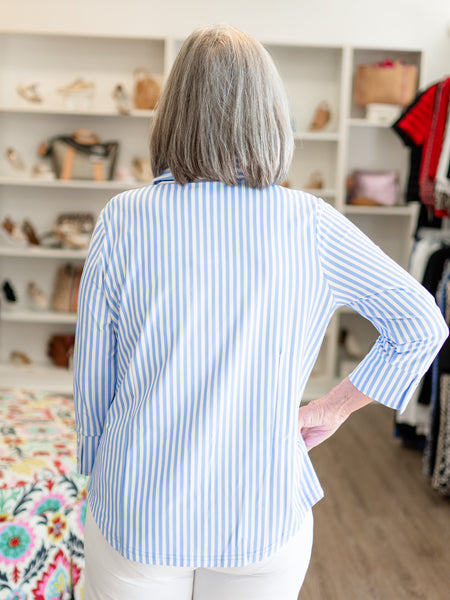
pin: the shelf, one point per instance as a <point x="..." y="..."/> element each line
<point x="71" y="183"/>
<point x="36" y="316"/>
<point x="95" y="112"/>
<point x="367" y="123"/>
<point x="380" y="211"/>
<point x="45" y="378"/>
<point x="317" y="136"/>
<point x="37" y="252"/>
<point x="321" y="192"/>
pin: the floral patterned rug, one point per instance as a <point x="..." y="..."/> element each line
<point x="42" y="499"/>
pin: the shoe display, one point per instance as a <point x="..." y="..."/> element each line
<point x="9" y="296"/>
<point x="321" y="117"/>
<point x="29" y="92"/>
<point x="38" y="299"/>
<point x="12" y="233"/>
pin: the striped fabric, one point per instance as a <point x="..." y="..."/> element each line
<point x="201" y="312"/>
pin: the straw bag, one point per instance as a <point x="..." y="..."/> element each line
<point x="146" y="90"/>
<point x="387" y="82"/>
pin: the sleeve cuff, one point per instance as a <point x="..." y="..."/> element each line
<point x="86" y="451"/>
<point x="384" y="383"/>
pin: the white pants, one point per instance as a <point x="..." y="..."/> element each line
<point x="110" y="576"/>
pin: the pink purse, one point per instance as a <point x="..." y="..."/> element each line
<point x="378" y="187"/>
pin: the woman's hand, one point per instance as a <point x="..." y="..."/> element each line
<point x="319" y="419"/>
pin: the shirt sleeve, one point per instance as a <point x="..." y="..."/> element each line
<point x="411" y="326"/>
<point x="94" y="354"/>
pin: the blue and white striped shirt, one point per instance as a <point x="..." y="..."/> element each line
<point x="201" y="312"/>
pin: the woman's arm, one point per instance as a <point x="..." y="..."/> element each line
<point x="94" y="357"/>
<point x="411" y="326"/>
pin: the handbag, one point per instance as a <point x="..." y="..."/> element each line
<point x="74" y="230"/>
<point x="67" y="285"/>
<point x="60" y="349"/>
<point x="386" y="82"/>
<point x="146" y="90"/>
<point x="373" y="187"/>
<point x="81" y="156"/>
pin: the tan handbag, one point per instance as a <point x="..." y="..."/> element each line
<point x="67" y="285"/>
<point x="387" y="82"/>
<point x="146" y="90"/>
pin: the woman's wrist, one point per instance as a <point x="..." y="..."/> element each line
<point x="345" y="398"/>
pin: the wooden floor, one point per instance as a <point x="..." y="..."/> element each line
<point x="381" y="532"/>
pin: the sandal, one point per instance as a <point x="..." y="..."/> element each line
<point x="12" y="233"/>
<point x="14" y="159"/>
<point x="19" y="358"/>
<point x="321" y="116"/>
<point x="37" y="297"/>
<point x="30" y="233"/>
<point x="29" y="92"/>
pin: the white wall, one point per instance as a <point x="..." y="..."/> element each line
<point x="422" y="24"/>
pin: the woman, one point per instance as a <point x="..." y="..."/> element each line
<point x="203" y="304"/>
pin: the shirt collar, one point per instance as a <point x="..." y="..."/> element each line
<point x="167" y="176"/>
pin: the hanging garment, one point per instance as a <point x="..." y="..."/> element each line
<point x="428" y="259"/>
<point x="413" y="127"/>
<point x="433" y="146"/>
<point x="437" y="448"/>
<point x="442" y="183"/>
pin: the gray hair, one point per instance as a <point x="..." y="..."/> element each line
<point x="223" y="110"/>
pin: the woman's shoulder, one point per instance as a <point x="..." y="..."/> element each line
<point x="126" y="200"/>
<point x="300" y="199"/>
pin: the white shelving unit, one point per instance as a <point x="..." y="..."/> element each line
<point x="310" y="73"/>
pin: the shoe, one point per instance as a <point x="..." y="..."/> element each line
<point x="78" y="87"/>
<point x="14" y="160"/>
<point x="315" y="181"/>
<point x="37" y="297"/>
<point x="29" y="92"/>
<point x="42" y="171"/>
<point x="121" y="99"/>
<point x="321" y="117"/>
<point x="9" y="296"/>
<point x="30" y="233"/>
<point x="19" y="358"/>
<point x="12" y="233"/>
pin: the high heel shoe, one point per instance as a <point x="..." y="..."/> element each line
<point x="12" y="233"/>
<point x="29" y="93"/>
